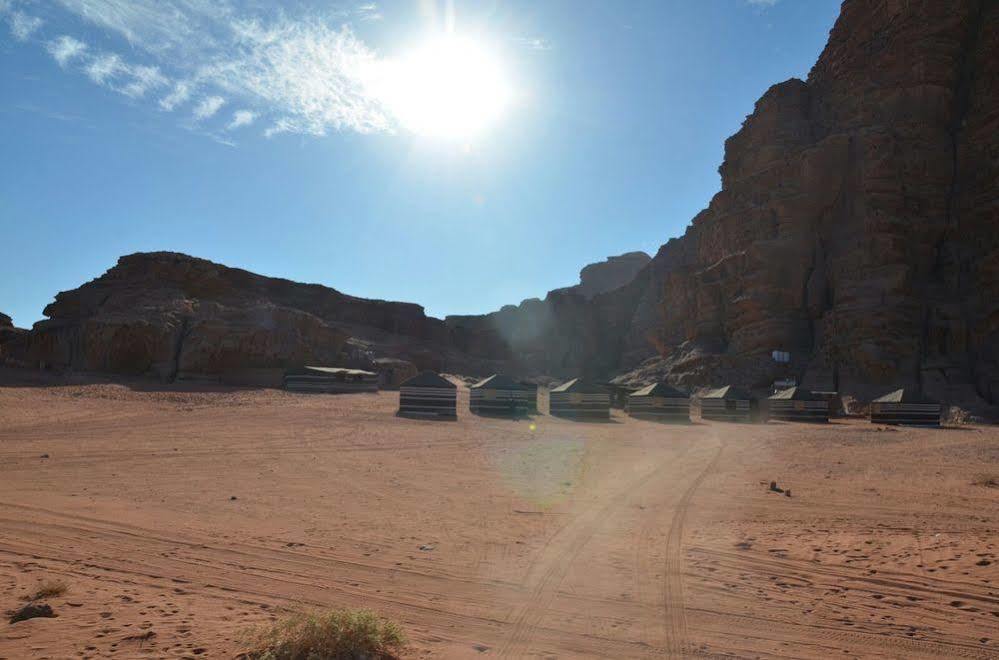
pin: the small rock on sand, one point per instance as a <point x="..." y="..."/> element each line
<point x="32" y="611"/>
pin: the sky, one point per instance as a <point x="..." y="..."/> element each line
<point x="321" y="142"/>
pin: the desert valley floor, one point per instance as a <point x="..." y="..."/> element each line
<point x="179" y="518"/>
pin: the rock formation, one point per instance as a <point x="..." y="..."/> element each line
<point x="7" y="332"/>
<point x="169" y="315"/>
<point x="855" y="229"/>
<point x="608" y="275"/>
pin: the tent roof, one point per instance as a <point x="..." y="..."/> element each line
<point x="581" y="386"/>
<point x="727" y="392"/>
<point x="429" y="379"/>
<point x="340" y="370"/>
<point x="499" y="382"/>
<point x="796" y="394"/>
<point x="664" y="390"/>
<point x="905" y="395"/>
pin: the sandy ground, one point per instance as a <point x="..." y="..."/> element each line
<point x="180" y="518"/>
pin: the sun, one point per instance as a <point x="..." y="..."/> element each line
<point x="448" y="87"/>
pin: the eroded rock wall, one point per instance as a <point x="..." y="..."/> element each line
<point x="855" y="228"/>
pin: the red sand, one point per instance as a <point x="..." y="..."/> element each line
<point x="487" y="537"/>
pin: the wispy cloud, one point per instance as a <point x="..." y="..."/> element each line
<point x="762" y="3"/>
<point x="143" y="78"/>
<point x="208" y="107"/>
<point x="314" y="75"/>
<point x="104" y="68"/>
<point x="22" y="25"/>
<point x="307" y="74"/>
<point x="241" y="118"/>
<point x="179" y="95"/>
<point x="368" y="12"/>
<point x="534" y="43"/>
<point x="65" y="48"/>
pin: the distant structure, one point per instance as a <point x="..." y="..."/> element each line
<point x="619" y="394"/>
<point x="428" y="395"/>
<point x="796" y="404"/>
<point x="532" y="396"/>
<point x="729" y="404"/>
<point x="500" y="396"/>
<point x="330" y="380"/>
<point x="660" y="402"/>
<point x="906" y="406"/>
<point x="579" y="399"/>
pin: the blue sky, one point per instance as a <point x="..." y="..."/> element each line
<point x="239" y="133"/>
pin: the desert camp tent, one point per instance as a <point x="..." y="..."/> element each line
<point x="331" y="380"/>
<point x="498" y="395"/>
<point x="729" y="404"/>
<point x="905" y="406"/>
<point x="659" y="402"/>
<point x="796" y="404"/>
<point x="532" y="396"/>
<point x="428" y="395"/>
<point x="579" y="398"/>
<point x="619" y="394"/>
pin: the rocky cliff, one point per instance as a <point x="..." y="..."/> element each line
<point x="169" y="315"/>
<point x="7" y="332"/>
<point x="855" y="228"/>
<point x="608" y="275"/>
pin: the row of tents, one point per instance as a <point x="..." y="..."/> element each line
<point x="431" y="395"/>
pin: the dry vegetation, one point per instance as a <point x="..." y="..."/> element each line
<point x="48" y="589"/>
<point x="331" y="635"/>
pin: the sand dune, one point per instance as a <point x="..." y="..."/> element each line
<point x="179" y="518"/>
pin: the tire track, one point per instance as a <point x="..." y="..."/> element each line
<point x="561" y="556"/>
<point x="674" y="616"/>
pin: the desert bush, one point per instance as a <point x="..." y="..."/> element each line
<point x="48" y="589"/>
<point x="339" y="634"/>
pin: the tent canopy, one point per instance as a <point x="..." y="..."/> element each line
<point x="499" y="382"/>
<point x="580" y="386"/>
<point x="664" y="390"/>
<point x="429" y="379"/>
<point x="727" y="392"/>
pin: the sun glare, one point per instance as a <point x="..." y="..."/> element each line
<point x="449" y="87"/>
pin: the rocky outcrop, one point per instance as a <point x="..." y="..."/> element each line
<point x="837" y="235"/>
<point x="608" y="275"/>
<point x="8" y="333"/>
<point x="855" y="229"/>
<point x="169" y="315"/>
<point x="574" y="329"/>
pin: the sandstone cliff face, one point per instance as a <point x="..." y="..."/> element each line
<point x="169" y="315"/>
<point x="8" y="332"/>
<point x="855" y="229"/>
<point x="839" y="234"/>
<point x="608" y="275"/>
<point x="574" y="329"/>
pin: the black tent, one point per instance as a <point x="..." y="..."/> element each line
<point x="579" y="398"/>
<point x="428" y="395"/>
<point x="729" y="404"/>
<point x="333" y="380"/>
<point x="796" y="404"/>
<point x="906" y="406"/>
<point x="659" y="402"/>
<point x="499" y="395"/>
